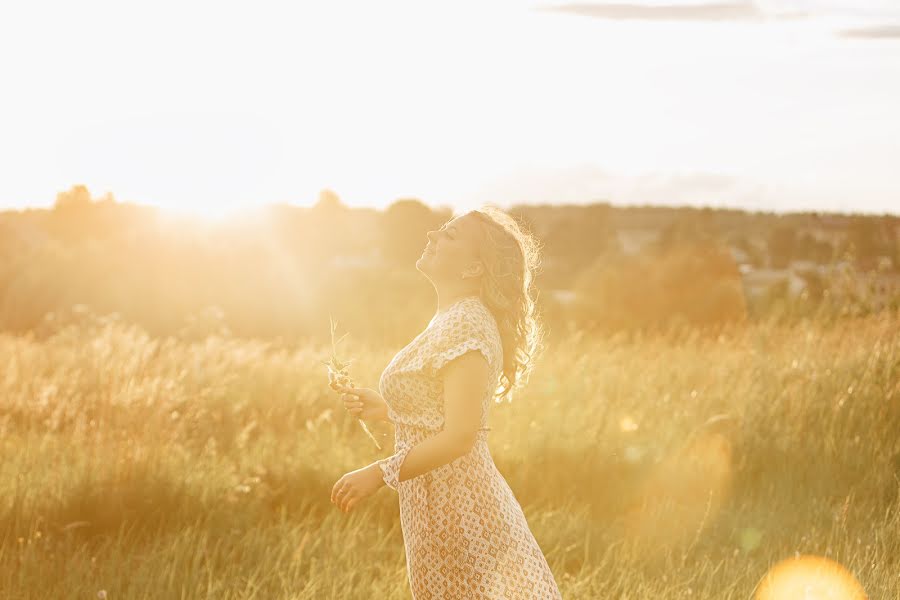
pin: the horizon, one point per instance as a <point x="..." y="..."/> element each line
<point x="256" y="209"/>
<point x="741" y="105"/>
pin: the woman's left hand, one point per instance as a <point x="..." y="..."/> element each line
<point x="355" y="486"/>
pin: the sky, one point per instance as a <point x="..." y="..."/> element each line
<point x="212" y="107"/>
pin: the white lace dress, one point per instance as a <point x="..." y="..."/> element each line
<point x="465" y="534"/>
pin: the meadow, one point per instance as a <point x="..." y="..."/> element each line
<point x="159" y="468"/>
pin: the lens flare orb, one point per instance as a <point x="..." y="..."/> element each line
<point x="811" y="578"/>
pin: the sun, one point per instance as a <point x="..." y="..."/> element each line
<point x="209" y="217"/>
<point x="212" y="212"/>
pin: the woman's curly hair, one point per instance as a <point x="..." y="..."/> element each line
<point x="511" y="256"/>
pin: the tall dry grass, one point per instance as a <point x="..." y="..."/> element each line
<point x="170" y="468"/>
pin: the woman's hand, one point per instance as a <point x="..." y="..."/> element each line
<point x="363" y="403"/>
<point x="356" y="486"/>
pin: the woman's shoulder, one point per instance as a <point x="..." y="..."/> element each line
<point x="470" y="317"/>
<point x="469" y="310"/>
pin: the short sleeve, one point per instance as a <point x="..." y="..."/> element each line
<point x="461" y="333"/>
<point x="390" y="467"/>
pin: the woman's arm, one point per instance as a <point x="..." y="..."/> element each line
<point x="465" y="380"/>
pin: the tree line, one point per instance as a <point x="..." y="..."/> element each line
<point x="282" y="272"/>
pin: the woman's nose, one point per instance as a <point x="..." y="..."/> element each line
<point x="430" y="235"/>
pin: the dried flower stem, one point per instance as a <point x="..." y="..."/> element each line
<point x="337" y="373"/>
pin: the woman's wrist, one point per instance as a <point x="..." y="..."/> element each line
<point x="378" y="473"/>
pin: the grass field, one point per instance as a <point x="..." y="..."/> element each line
<point x="144" y="468"/>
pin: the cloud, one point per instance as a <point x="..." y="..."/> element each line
<point x="873" y="32"/>
<point x="723" y="11"/>
<point x="588" y="183"/>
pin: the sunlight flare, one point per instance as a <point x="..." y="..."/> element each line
<point x="811" y="578"/>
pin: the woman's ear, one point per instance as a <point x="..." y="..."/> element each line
<point x="475" y="269"/>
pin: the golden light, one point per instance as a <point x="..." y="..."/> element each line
<point x="628" y="424"/>
<point x="207" y="212"/>
<point x="683" y="494"/>
<point x="811" y="578"/>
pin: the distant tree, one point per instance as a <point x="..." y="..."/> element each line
<point x="577" y="240"/>
<point x="782" y="244"/>
<point x="870" y="238"/>
<point x="323" y="230"/>
<point x="328" y="203"/>
<point x="405" y="224"/>
<point x="808" y="247"/>
<point x="76" y="197"/>
<point x="108" y="199"/>
<point x="688" y="227"/>
<point x="692" y="282"/>
<point x="755" y="256"/>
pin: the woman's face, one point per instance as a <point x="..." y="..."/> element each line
<point x="451" y="250"/>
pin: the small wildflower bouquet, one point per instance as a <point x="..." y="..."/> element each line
<point x="338" y="375"/>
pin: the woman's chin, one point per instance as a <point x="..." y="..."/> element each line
<point x="423" y="262"/>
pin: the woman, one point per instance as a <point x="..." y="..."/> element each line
<point x="464" y="531"/>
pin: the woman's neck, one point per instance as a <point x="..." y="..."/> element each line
<point x="446" y="301"/>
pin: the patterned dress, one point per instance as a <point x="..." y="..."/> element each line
<point x="464" y="531"/>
